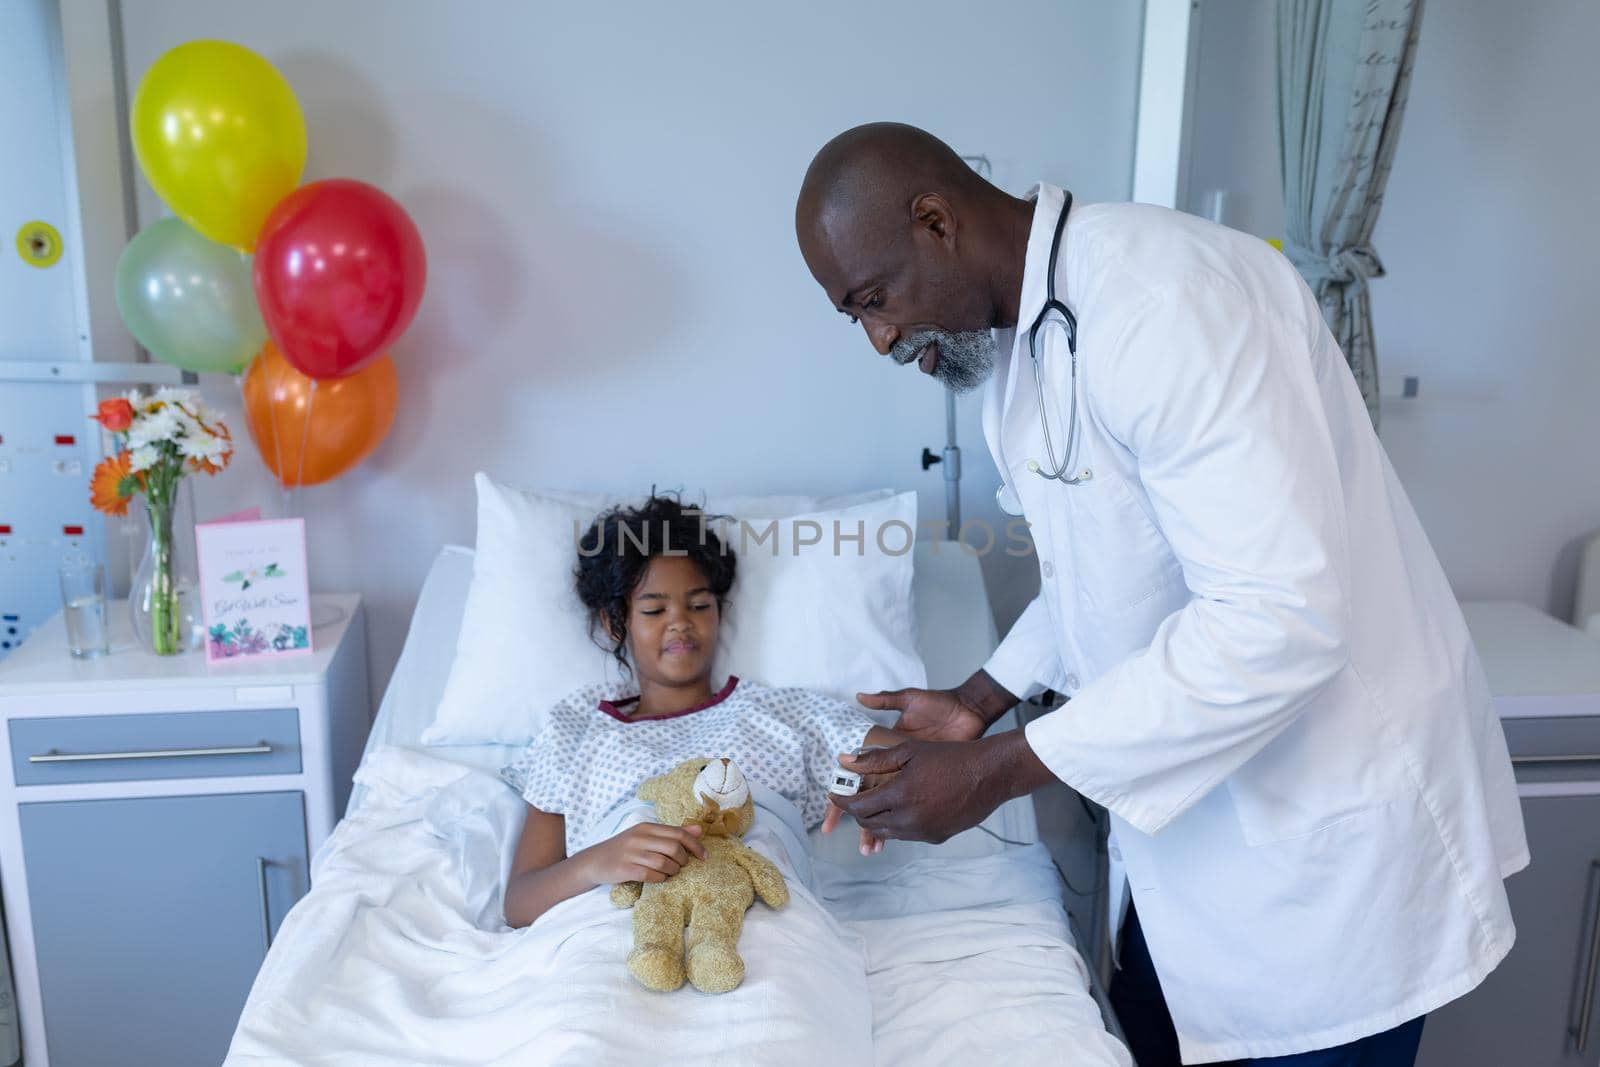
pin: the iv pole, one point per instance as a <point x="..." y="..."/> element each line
<point x="951" y="456"/>
<point x="951" y="459"/>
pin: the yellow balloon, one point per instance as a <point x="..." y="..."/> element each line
<point x="220" y="137"/>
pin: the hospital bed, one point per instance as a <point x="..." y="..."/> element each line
<point x="968" y="949"/>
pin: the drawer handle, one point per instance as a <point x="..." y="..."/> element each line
<point x="1577" y="757"/>
<point x="1581" y="1031"/>
<point x="266" y="909"/>
<point x="260" y="748"/>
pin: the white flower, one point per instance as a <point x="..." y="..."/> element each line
<point x="151" y="428"/>
<point x="168" y="395"/>
<point x="143" y="458"/>
<point x="203" y="446"/>
<point x="198" y="416"/>
<point x="186" y="424"/>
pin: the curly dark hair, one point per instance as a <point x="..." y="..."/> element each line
<point x="616" y="550"/>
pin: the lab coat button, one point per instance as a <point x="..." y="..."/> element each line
<point x="1046" y="569"/>
<point x="1072" y="681"/>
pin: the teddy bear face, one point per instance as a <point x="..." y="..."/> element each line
<point x="683" y="796"/>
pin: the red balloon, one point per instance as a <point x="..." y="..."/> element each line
<point x="339" y="271"/>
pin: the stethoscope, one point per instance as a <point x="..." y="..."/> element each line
<point x="1054" y="311"/>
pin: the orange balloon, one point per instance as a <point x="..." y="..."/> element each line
<point x="311" y="431"/>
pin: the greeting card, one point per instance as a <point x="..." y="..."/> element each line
<point x="253" y="588"/>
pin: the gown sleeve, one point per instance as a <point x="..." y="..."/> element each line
<point x="827" y="728"/>
<point x="544" y="772"/>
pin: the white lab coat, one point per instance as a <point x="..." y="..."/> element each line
<point x="1272" y="687"/>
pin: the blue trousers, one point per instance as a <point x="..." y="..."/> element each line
<point x="1142" y="1010"/>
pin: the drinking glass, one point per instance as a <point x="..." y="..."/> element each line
<point x="83" y="598"/>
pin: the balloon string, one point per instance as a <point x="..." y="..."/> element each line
<point x="274" y="396"/>
<point x="305" y="435"/>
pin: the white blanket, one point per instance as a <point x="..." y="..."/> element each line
<point x="400" y="955"/>
<point x="971" y="961"/>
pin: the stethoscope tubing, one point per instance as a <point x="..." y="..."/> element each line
<point x="1057" y="471"/>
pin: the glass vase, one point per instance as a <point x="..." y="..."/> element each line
<point x="163" y="599"/>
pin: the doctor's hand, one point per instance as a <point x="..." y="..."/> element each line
<point x="929" y="714"/>
<point x="936" y="789"/>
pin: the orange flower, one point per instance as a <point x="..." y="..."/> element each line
<point x="113" y="483"/>
<point x="115" y="415"/>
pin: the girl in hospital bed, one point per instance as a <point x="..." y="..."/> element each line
<point x="655" y="580"/>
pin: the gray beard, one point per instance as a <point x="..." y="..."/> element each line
<point x="966" y="359"/>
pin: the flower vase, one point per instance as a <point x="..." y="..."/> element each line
<point x="162" y="599"/>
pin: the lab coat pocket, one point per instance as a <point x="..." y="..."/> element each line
<point x="1120" y="559"/>
<point x="1334" y="762"/>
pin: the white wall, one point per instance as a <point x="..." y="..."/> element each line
<point x="606" y="192"/>
<point x="1233" y="135"/>
<point x="1488" y="233"/>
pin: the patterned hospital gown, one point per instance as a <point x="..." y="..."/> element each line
<point x="591" y="756"/>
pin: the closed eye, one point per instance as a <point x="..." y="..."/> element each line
<point x="692" y="607"/>
<point x="871" y="303"/>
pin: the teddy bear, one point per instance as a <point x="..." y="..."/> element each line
<point x="708" y="897"/>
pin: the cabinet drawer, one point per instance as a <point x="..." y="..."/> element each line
<point x="181" y="744"/>
<point x="1556" y="749"/>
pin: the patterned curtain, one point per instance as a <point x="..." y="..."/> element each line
<point x="1344" y="71"/>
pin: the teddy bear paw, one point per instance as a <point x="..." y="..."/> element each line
<point x="715" y="968"/>
<point x="657" y="967"/>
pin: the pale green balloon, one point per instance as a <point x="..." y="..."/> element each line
<point x="189" y="300"/>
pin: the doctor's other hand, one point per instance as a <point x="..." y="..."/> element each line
<point x="929" y="714"/>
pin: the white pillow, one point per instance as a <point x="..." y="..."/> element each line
<point x="797" y="614"/>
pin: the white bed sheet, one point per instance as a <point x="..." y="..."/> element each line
<point x="399" y="954"/>
<point x="968" y="949"/>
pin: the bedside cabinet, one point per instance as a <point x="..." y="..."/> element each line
<point x="1541" y="1006"/>
<point x="156" y="822"/>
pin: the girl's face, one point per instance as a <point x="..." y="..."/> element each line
<point x="672" y="623"/>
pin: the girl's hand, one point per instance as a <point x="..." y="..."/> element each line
<point x="871" y="843"/>
<point x="648" y="852"/>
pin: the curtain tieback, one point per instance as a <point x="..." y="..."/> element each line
<point x="1344" y="266"/>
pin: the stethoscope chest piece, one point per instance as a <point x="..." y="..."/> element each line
<point x="1082" y="476"/>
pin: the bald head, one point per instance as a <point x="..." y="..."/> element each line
<point x="876" y="171"/>
<point x="910" y="241"/>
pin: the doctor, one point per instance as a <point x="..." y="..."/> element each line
<point x="1271" y="686"/>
